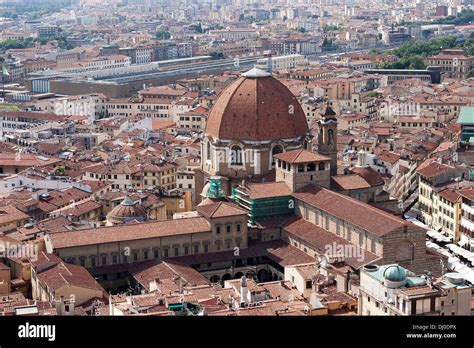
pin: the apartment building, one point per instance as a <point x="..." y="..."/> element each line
<point x="394" y="290"/>
<point x="437" y="206"/>
<point x="466" y="228"/>
<point x="453" y="62"/>
<point x="290" y="61"/>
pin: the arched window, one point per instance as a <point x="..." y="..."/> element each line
<point x="330" y="137"/>
<point x="236" y="155"/>
<point x="275" y="151"/>
<point x="208" y="150"/>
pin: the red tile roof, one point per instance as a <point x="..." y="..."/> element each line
<point x="320" y="239"/>
<point x="56" y="274"/>
<point x="26" y="160"/>
<point x="449" y="194"/>
<point x="390" y="157"/>
<point x="434" y="169"/>
<point x="81" y="208"/>
<point x="301" y="156"/>
<point x="127" y="232"/>
<point x="220" y="209"/>
<point x="351" y="210"/>
<point x="369" y="174"/>
<point x="349" y="182"/>
<point x="267" y="190"/>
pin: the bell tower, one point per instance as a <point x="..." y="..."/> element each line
<point x="327" y="137"/>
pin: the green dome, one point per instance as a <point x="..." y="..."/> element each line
<point x="395" y="273"/>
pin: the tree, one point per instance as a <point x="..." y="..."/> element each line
<point x="196" y="27"/>
<point x="59" y="170"/>
<point x="417" y="63"/>
<point x="327" y="42"/>
<point x="465" y="17"/>
<point x="217" y="55"/>
<point x="330" y="27"/>
<point x="469" y="44"/>
<point x="163" y="34"/>
<point x="302" y="30"/>
<point x="425" y="33"/>
<point x="373" y="94"/>
<point x="413" y="53"/>
<point x="16" y="44"/>
<point x="251" y="19"/>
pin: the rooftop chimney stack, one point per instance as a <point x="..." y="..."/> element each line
<point x="243" y="290"/>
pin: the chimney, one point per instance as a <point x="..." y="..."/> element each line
<point x="243" y="290"/>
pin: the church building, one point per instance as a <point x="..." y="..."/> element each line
<point x="254" y="119"/>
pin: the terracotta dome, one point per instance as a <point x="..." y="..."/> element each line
<point x="257" y="107"/>
<point x="126" y="211"/>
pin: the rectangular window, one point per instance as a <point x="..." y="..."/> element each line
<point x="228" y="228"/>
<point x="176" y="251"/>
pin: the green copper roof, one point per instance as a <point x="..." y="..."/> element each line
<point x="466" y="116"/>
<point x="128" y="201"/>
